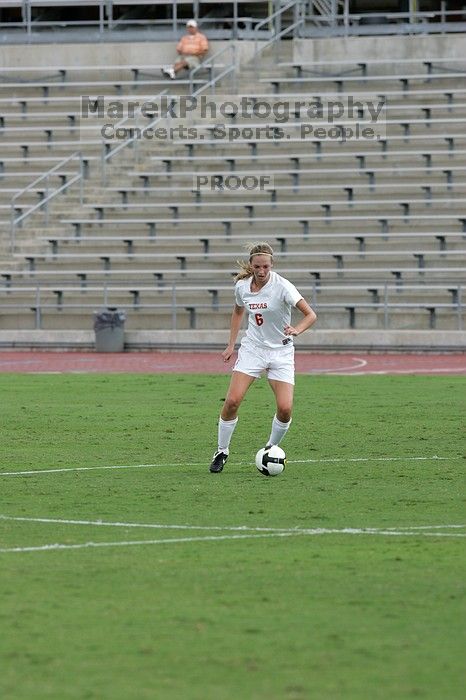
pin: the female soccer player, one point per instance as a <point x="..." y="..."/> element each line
<point x="266" y="347"/>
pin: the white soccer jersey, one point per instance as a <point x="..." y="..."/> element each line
<point x="269" y="309"/>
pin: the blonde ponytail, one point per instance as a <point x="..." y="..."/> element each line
<point x="261" y="248"/>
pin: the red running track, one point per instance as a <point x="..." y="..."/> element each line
<point x="212" y="363"/>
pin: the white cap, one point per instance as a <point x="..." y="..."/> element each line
<point x="191" y="23"/>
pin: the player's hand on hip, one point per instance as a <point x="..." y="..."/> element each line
<point x="290" y="330"/>
<point x="227" y="353"/>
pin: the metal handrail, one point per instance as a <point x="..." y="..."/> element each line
<point x="106" y="24"/>
<point x="333" y="19"/>
<point x="296" y="5"/>
<point x="17" y="221"/>
<point x="107" y="154"/>
<point x="230" y="48"/>
<point x="410" y="19"/>
<point x="274" y="15"/>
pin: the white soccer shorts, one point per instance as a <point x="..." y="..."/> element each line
<point x="276" y="363"/>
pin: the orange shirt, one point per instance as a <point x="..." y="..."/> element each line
<point x="193" y="44"/>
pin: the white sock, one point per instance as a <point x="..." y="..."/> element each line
<point x="225" y="431"/>
<point x="279" y="430"/>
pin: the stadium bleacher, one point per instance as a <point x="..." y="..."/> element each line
<point x="374" y="228"/>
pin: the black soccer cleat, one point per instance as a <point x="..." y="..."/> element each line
<point x="218" y="462"/>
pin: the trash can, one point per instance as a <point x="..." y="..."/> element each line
<point x="109" y="327"/>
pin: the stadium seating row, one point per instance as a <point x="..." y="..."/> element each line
<point x="360" y="215"/>
<point x="185" y="307"/>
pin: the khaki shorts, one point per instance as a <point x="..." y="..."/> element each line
<point x="192" y="61"/>
<point x="276" y="363"/>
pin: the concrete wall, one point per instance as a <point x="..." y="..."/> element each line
<point x="332" y="340"/>
<point x="376" y="47"/>
<point x="145" y="53"/>
<point x="138" y="53"/>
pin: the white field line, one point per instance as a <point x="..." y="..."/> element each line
<point x="212" y="538"/>
<point x="83" y="545"/>
<point x="202" y="464"/>
<point x="424" y="527"/>
<point x="438" y="370"/>
<point x="407" y="531"/>
<point x="101" y="523"/>
<point x="369" y="459"/>
<point x="242" y="528"/>
<point x="359" y="363"/>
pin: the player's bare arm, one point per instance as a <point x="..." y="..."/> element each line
<point x="309" y="319"/>
<point x="235" y="325"/>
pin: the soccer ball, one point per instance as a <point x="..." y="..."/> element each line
<point x="271" y="461"/>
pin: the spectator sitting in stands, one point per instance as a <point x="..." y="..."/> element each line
<point x="192" y="48"/>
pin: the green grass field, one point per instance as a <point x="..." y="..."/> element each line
<point x="173" y="583"/>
